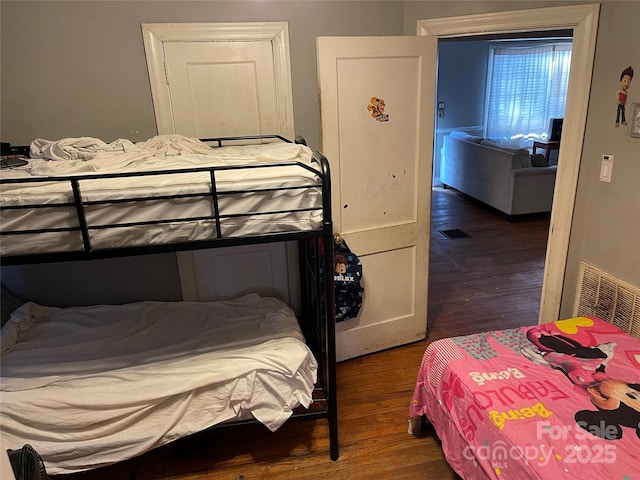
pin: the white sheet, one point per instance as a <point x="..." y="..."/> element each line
<point x="120" y="188"/>
<point x="91" y="386"/>
<point x="89" y="148"/>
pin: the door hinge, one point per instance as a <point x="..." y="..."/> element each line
<point x="166" y="72"/>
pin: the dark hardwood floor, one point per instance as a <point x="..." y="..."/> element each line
<point x="488" y="280"/>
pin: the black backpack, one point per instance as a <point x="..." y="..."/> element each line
<point x="347" y="276"/>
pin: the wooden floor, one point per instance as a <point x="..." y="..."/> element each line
<point x="490" y="279"/>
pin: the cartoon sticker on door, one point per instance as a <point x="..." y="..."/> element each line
<point x="376" y="107"/>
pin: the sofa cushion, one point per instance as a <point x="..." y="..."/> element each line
<point x="490" y="143"/>
<point x="520" y="154"/>
<point x="466" y="136"/>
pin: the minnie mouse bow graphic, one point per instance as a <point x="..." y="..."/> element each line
<point x="617" y="401"/>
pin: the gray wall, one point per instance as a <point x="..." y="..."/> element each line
<point x="462" y="72"/>
<point x="78" y="68"/>
<point x="606" y="227"/>
<point x="458" y="63"/>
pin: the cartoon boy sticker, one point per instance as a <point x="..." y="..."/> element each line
<point x="376" y="107"/>
<point x="340" y="265"/>
<point x="621" y="95"/>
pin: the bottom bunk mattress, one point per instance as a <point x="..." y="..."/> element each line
<point x="92" y="386"/>
<point x="559" y="400"/>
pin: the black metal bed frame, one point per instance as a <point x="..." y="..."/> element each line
<point x="317" y="319"/>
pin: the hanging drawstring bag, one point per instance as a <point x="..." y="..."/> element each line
<point x="347" y="276"/>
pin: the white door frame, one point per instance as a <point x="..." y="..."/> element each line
<point x="156" y="34"/>
<point x="583" y="19"/>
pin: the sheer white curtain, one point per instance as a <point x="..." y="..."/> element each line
<point x="527" y="87"/>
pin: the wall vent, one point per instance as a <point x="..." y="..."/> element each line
<point x="600" y="294"/>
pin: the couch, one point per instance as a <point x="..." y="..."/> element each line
<point x="511" y="180"/>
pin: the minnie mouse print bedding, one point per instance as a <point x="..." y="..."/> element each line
<point x="558" y="400"/>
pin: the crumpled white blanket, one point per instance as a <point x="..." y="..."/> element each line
<point x="162" y="153"/>
<point x="82" y="148"/>
<point x="91" y="386"/>
<point x="89" y="148"/>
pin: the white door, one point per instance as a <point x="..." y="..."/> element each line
<point x="225" y="273"/>
<point x="217" y="80"/>
<point x="377" y="108"/>
<point x="222" y="89"/>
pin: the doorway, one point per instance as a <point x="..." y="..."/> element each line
<point x="583" y="20"/>
<point x="495" y="265"/>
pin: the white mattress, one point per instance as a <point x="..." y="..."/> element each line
<point x="150" y="210"/>
<point x="91" y="386"/>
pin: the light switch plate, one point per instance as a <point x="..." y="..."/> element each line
<point x="606" y="168"/>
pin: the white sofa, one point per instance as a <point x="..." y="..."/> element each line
<point x="502" y="178"/>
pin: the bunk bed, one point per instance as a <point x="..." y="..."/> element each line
<point x="557" y="400"/>
<point x="152" y="372"/>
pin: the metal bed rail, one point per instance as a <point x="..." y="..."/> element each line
<point x="75" y="192"/>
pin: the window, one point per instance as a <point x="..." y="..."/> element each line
<point x="527" y="87"/>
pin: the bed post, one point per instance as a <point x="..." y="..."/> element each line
<point x="329" y="311"/>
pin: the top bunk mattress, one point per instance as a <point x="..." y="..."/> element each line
<point x="170" y="189"/>
<point x="91" y="386"/>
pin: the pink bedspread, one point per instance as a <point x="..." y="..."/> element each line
<point x="554" y="401"/>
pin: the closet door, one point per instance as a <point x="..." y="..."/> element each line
<point x="220" y="79"/>
<point x="216" y="80"/>
<point x="221" y="89"/>
<point x="377" y="107"/>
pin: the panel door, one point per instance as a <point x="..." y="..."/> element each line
<point x="225" y="273"/>
<point x="220" y="79"/>
<point x="222" y="89"/>
<point x="216" y="80"/>
<point x="377" y="107"/>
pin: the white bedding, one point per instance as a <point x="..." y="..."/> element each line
<point x="91" y="386"/>
<point x="174" y="156"/>
<point x="89" y="148"/>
